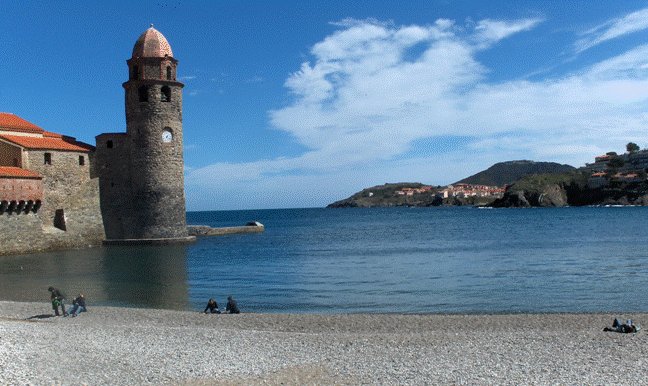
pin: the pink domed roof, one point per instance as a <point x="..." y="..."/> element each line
<point x="152" y="44"/>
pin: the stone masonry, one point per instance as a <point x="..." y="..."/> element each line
<point x="142" y="171"/>
<point x="52" y="199"/>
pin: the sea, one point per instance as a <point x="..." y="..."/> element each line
<point x="367" y="260"/>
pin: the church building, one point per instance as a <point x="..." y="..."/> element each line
<point x="57" y="193"/>
<point x="49" y="194"/>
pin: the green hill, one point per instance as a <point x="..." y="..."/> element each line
<point x="505" y="173"/>
<point x="385" y="196"/>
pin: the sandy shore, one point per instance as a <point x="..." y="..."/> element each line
<point x="125" y="346"/>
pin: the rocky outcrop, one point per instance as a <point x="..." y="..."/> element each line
<point x="550" y="196"/>
<point x="512" y="199"/>
<point x="570" y="190"/>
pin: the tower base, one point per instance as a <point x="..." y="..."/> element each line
<point x="168" y="241"/>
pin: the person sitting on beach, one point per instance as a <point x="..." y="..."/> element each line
<point x="232" y="307"/>
<point x="58" y="299"/>
<point x="78" y="305"/>
<point x="624" y="328"/>
<point x="212" y="306"/>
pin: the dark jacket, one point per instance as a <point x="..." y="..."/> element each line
<point x="232" y="307"/>
<point x="80" y="301"/>
<point x="57" y="295"/>
<point x="212" y="307"/>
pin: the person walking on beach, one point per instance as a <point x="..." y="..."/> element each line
<point x="232" y="307"/>
<point x="212" y="306"/>
<point x="78" y="305"/>
<point x="58" y="299"/>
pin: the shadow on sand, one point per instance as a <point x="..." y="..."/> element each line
<point x="42" y="316"/>
<point x="34" y="318"/>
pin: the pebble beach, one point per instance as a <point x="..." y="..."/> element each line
<point x="133" y="346"/>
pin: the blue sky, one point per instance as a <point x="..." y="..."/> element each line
<point x="299" y="104"/>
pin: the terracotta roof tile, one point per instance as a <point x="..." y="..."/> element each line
<point x="48" y="143"/>
<point x="152" y="44"/>
<point x="10" y="171"/>
<point x="51" y="135"/>
<point x="14" y="123"/>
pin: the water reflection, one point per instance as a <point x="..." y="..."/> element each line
<point x="126" y="276"/>
<point x="154" y="277"/>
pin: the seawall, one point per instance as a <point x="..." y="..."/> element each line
<point x="26" y="233"/>
<point x="204" y="230"/>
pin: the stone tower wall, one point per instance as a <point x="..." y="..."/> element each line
<point x="159" y="189"/>
<point x="142" y="176"/>
<point x="152" y="68"/>
<point x="113" y="154"/>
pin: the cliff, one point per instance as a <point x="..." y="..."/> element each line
<point x="570" y="189"/>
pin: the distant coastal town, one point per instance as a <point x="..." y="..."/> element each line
<point x="457" y="190"/>
<point x="627" y="167"/>
<point x="612" y="179"/>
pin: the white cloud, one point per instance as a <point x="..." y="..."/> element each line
<point x="491" y="31"/>
<point x="631" y="64"/>
<point x="633" y="22"/>
<point x="368" y="97"/>
<point x="361" y="100"/>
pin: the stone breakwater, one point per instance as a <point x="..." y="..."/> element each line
<point x="126" y="346"/>
<point x="204" y="230"/>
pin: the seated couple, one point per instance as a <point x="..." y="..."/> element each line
<point x="231" y="308"/>
<point x="78" y="305"/>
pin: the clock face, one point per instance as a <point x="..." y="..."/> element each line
<point x="167" y="136"/>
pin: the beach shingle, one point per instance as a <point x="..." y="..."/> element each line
<point x="129" y="346"/>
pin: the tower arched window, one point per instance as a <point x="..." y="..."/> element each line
<point x="169" y="73"/>
<point x="143" y="94"/>
<point x="165" y="94"/>
<point x="135" y="74"/>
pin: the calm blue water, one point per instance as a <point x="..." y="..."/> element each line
<point x="411" y="260"/>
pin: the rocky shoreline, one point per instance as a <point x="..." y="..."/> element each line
<point x="130" y="346"/>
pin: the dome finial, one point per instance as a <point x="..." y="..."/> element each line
<point x="151" y="25"/>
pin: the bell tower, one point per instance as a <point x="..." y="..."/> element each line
<point x="142" y="173"/>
